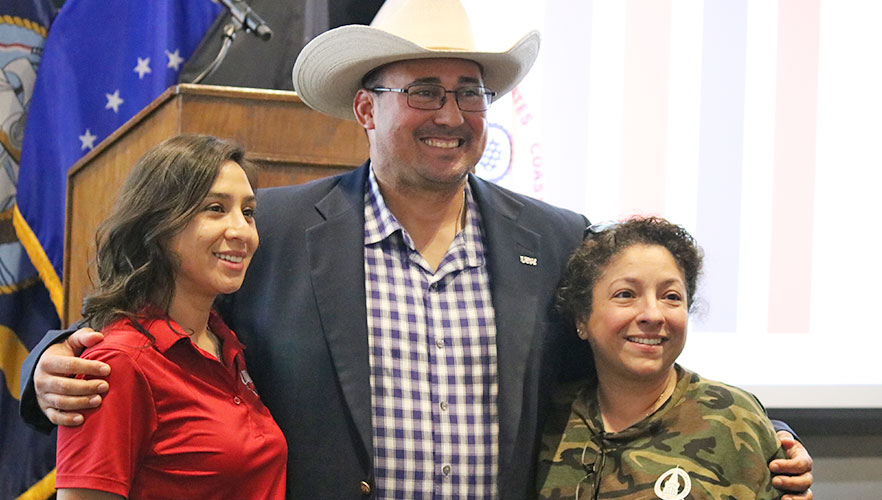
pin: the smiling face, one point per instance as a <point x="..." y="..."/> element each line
<point x="422" y="149"/>
<point x="637" y="326"/>
<point x="216" y="246"/>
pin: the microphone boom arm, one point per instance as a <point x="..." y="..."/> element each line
<point x="241" y="17"/>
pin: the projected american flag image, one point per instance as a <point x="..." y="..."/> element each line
<point x="754" y="125"/>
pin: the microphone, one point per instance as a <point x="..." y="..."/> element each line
<point x="246" y="16"/>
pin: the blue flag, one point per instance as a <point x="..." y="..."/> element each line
<point x="27" y="457"/>
<point x="102" y="62"/>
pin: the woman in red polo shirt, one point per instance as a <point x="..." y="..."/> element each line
<point x="182" y="418"/>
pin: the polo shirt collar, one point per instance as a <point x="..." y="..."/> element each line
<point x="167" y="332"/>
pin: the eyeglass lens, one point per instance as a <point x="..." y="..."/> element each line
<point x="593" y="461"/>
<point x="433" y="97"/>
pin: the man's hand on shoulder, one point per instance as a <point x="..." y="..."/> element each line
<point x="793" y="474"/>
<point x="59" y="394"/>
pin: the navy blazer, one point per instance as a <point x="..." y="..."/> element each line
<point x="301" y="314"/>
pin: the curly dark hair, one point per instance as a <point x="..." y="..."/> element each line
<point x="163" y="192"/>
<point x="589" y="261"/>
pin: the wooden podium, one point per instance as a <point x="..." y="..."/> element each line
<point x="290" y="142"/>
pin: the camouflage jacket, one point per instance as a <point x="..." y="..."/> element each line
<point x="708" y="441"/>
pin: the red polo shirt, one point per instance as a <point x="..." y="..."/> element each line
<point x="176" y="422"/>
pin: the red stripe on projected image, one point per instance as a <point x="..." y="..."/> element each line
<point x="794" y="175"/>
<point x="645" y="134"/>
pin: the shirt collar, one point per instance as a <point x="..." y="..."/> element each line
<point x="380" y="223"/>
<point x="167" y="332"/>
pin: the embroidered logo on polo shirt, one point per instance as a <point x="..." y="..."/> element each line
<point x="246" y="379"/>
<point x="674" y="484"/>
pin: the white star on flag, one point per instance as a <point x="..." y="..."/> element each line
<point x="174" y="59"/>
<point x="142" y="67"/>
<point x="113" y="101"/>
<point x="87" y="140"/>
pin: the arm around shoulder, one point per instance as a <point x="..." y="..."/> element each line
<point x="792" y="469"/>
<point x="28" y="408"/>
<point x="47" y="389"/>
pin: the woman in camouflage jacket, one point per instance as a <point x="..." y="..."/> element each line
<point x="644" y="427"/>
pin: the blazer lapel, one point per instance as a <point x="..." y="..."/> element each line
<point x="508" y="246"/>
<point x="336" y="249"/>
<point x="336" y="253"/>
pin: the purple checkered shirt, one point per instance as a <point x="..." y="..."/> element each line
<point x="433" y="361"/>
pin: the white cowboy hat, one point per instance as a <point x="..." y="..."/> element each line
<point x="329" y="70"/>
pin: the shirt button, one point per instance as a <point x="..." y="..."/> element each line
<point x="439" y="343"/>
<point x="445" y="470"/>
<point x="443" y="405"/>
<point x="433" y="287"/>
<point x="365" y="488"/>
<point x="237" y="400"/>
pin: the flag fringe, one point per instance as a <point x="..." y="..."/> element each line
<point x="12" y="355"/>
<point x="42" y="489"/>
<point x="39" y="259"/>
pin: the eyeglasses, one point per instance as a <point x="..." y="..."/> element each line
<point x="592" y="461"/>
<point x="595" y="229"/>
<point x="430" y="97"/>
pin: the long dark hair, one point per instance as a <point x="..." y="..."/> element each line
<point x="162" y="193"/>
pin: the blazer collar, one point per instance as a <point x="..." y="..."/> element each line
<point x="336" y="253"/>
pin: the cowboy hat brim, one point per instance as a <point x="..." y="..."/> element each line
<point x="329" y="70"/>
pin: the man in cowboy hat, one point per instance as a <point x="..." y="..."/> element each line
<point x="400" y="322"/>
